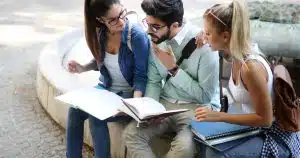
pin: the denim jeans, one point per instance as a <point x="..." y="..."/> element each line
<point x="99" y="131"/>
<point x="250" y="148"/>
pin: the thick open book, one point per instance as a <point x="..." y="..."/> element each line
<point x="145" y="108"/>
<point x="103" y="104"/>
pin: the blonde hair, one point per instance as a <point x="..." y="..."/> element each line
<point x="234" y="18"/>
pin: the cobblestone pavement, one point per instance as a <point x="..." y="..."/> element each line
<point x="25" y="129"/>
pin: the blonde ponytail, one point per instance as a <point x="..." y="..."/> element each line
<point x="240" y="30"/>
<point x="233" y="17"/>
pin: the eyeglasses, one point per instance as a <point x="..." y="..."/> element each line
<point x="115" y="21"/>
<point x="152" y="27"/>
<point x="211" y="12"/>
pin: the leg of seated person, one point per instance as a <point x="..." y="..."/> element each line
<point x="248" y="149"/>
<point x="138" y="139"/>
<point x="183" y="145"/>
<point x="74" y="132"/>
<point x="100" y="134"/>
<point x="251" y="148"/>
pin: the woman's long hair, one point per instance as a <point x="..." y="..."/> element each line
<point x="234" y="18"/>
<point x="95" y="9"/>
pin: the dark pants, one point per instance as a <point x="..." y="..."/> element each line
<point x="250" y="148"/>
<point x="99" y="131"/>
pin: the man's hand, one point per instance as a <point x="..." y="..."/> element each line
<point x="167" y="58"/>
<point x="200" y="39"/>
<point x="75" y="67"/>
<point x="208" y="115"/>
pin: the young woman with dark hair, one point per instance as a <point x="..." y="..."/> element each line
<point x="122" y="64"/>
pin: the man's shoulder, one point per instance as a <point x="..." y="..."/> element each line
<point x="206" y="53"/>
<point x="137" y="31"/>
<point x="193" y="30"/>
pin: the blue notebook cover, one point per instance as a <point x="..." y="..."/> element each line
<point x="222" y="136"/>
<point x="214" y="130"/>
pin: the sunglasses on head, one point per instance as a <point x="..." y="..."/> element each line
<point x="212" y="13"/>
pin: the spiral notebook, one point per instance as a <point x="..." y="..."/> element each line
<point x="213" y="131"/>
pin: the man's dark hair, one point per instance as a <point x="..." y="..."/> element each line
<point x="168" y="11"/>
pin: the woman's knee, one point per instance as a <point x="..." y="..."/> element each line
<point x="76" y="117"/>
<point x="97" y="125"/>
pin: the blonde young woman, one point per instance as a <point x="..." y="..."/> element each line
<point x="227" y="29"/>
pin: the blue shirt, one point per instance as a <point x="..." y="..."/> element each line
<point x="133" y="64"/>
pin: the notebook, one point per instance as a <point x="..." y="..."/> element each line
<point x="103" y="104"/>
<point x="219" y="132"/>
<point x="215" y="133"/>
<point x="99" y="103"/>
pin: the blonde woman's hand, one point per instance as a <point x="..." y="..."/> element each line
<point x="207" y="114"/>
<point x="200" y="39"/>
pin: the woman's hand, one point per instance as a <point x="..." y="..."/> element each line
<point x="137" y="94"/>
<point x="208" y="115"/>
<point x="75" y="67"/>
<point x="200" y="39"/>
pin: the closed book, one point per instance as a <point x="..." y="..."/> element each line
<point x="215" y="130"/>
<point x="216" y="133"/>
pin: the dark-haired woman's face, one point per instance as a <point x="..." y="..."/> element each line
<point x="115" y="18"/>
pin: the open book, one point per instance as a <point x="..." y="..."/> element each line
<point x="103" y="104"/>
<point x="145" y="108"/>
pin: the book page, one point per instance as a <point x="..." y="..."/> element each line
<point x="129" y="112"/>
<point x="145" y="106"/>
<point x="100" y="103"/>
<point x="165" y="114"/>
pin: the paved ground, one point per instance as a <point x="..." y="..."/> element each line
<point x="25" y="27"/>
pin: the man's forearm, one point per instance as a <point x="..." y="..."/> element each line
<point x="92" y="65"/>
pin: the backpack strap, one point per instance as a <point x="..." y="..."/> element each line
<point x="129" y="36"/>
<point x="186" y="53"/>
<point x="223" y="98"/>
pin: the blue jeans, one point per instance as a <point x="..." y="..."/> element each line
<point x="99" y="131"/>
<point x="250" y="148"/>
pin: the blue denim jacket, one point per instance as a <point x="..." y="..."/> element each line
<point x="133" y="64"/>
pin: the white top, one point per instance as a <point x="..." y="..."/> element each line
<point x="119" y="83"/>
<point x="240" y="94"/>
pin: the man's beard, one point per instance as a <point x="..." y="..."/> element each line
<point x="163" y="37"/>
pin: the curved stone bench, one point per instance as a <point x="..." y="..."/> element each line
<point x="277" y="39"/>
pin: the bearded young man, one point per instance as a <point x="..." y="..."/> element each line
<point x="193" y="83"/>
